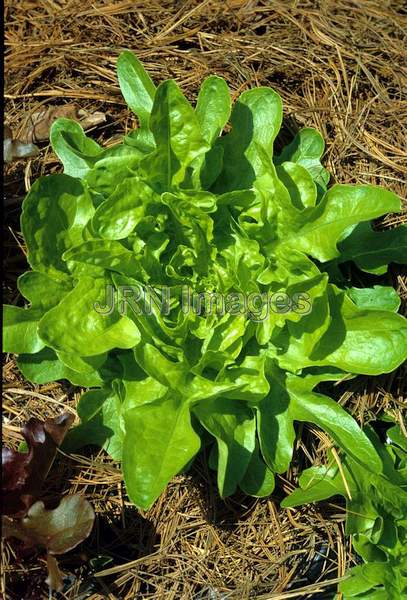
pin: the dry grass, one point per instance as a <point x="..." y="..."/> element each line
<point x="340" y="66"/>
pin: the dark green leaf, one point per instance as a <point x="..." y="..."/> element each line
<point x="76" y="151"/>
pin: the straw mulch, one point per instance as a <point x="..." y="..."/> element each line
<point x="340" y="66"/>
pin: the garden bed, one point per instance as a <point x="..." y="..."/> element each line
<point x="339" y="67"/>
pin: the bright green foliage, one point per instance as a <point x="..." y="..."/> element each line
<point x="179" y="204"/>
<point x="376" y="515"/>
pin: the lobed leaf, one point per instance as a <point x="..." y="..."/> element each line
<point x="24" y="472"/>
<point x="58" y="530"/>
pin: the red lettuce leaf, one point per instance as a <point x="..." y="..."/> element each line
<point x="24" y="473"/>
<point x="57" y="530"/>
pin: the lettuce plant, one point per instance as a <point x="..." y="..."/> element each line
<point x="376" y="506"/>
<point x="180" y="205"/>
<point x="24" y="516"/>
